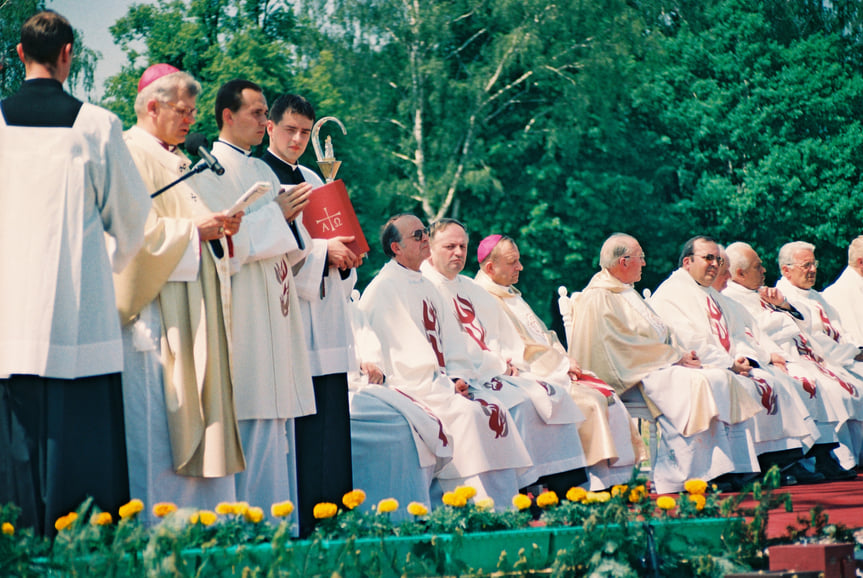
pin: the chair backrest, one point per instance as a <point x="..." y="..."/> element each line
<point x="565" y="303"/>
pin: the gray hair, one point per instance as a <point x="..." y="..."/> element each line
<point x="737" y="258"/>
<point x="786" y="253"/>
<point x="855" y="250"/>
<point x="615" y="247"/>
<point x="165" y="89"/>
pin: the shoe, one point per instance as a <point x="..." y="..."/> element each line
<point x="802" y="475"/>
<point x="832" y="471"/>
<point x="787" y="480"/>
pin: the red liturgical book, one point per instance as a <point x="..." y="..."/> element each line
<point x="330" y="214"/>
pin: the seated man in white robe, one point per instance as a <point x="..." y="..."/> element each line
<point x="775" y="317"/>
<point x="688" y="303"/>
<point x="820" y="322"/>
<point x="406" y="313"/>
<point x="703" y="413"/>
<point x="397" y="443"/>
<point x="271" y="374"/>
<point x="174" y="302"/>
<point x="846" y="293"/>
<point x="605" y="435"/>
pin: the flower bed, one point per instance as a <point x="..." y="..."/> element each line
<point x="621" y="532"/>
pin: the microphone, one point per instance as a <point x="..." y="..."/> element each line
<point x="197" y="143"/>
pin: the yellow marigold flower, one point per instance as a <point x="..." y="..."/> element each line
<point x="699" y="500"/>
<point x="388" y="505"/>
<point x="521" y="501"/>
<point x="417" y="509"/>
<point x="576" y="494"/>
<point x="240" y="508"/>
<point x="590" y="498"/>
<point x="203" y="517"/>
<point x="602" y="497"/>
<point x="253" y="514"/>
<point x="454" y="499"/>
<point x="101" y="519"/>
<point x="64" y="522"/>
<point x="467" y="492"/>
<point x="282" y="509"/>
<point x="665" y="502"/>
<point x="162" y="509"/>
<point x="353" y="499"/>
<point x="547" y="499"/>
<point x="8" y="529"/>
<point x="637" y="494"/>
<point x="325" y="510"/>
<point x="131" y="508"/>
<point x="695" y="486"/>
<point x="619" y="490"/>
<point x="224" y="508"/>
<point x="486" y="504"/>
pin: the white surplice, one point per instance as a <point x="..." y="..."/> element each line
<point x="272" y="379"/>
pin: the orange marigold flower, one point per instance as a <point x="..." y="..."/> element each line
<point x="253" y="514"/>
<point x="131" y="508"/>
<point x="699" y="501"/>
<point x="417" y="509"/>
<point x="8" y="529"/>
<point x="547" y="499"/>
<point x="486" y="504"/>
<point x="467" y="492"/>
<point x="695" y="486"/>
<point x="162" y="509"/>
<point x="521" y="501"/>
<point x="282" y="509"/>
<point x="454" y="499"/>
<point x="353" y="499"/>
<point x="388" y="505"/>
<point x="324" y="510"/>
<point x="665" y="503"/>
<point x="576" y="494"/>
<point x="637" y="494"/>
<point x="101" y="519"/>
<point x="619" y="490"/>
<point x="64" y="522"/>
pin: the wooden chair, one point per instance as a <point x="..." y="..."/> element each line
<point x="632" y="399"/>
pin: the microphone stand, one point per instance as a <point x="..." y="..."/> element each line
<point x="199" y="168"/>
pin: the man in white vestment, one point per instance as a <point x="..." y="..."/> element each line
<point x="605" y="435"/>
<point x="846" y="293"/>
<point x="703" y="413"/>
<point x="820" y="322"/>
<point x="830" y="398"/>
<point x="398" y="444"/>
<point x="68" y="179"/>
<point x="407" y="314"/>
<point x="324" y="283"/>
<point x="688" y="303"/>
<point x="271" y="376"/>
<point x="182" y="441"/>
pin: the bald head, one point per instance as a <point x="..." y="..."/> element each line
<point x="622" y="256"/>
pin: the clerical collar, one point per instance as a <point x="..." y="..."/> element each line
<point x="166" y="146"/>
<point x="294" y="166"/>
<point x="235" y="147"/>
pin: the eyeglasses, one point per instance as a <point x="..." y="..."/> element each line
<point x="419" y="234"/>
<point x="710" y="258"/>
<point x="643" y="257"/>
<point x="808" y="265"/>
<point x="181" y="110"/>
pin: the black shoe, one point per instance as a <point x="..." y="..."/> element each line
<point x="787" y="480"/>
<point x="802" y="475"/>
<point x="833" y="471"/>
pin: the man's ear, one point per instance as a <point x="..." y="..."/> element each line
<point x="396" y="248"/>
<point x="20" y="50"/>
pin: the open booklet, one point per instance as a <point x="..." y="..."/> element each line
<point x="253" y="194"/>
